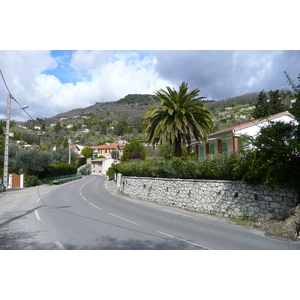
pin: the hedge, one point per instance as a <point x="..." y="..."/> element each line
<point x="61" y="168"/>
<point x="219" y="167"/>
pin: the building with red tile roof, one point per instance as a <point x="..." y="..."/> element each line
<point x="230" y="139"/>
<point x="106" y="150"/>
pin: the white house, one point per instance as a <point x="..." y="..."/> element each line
<point x="101" y="165"/>
<point x="230" y="139"/>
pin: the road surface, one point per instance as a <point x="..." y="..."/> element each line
<point x="90" y="214"/>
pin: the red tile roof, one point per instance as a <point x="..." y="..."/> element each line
<point x="250" y="123"/>
<point x="112" y="146"/>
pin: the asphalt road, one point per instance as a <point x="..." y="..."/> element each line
<point x="91" y="214"/>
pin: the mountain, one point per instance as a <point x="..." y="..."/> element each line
<point x="108" y="121"/>
<point x="132" y="108"/>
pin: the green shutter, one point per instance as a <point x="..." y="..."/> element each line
<point x="224" y="147"/>
<point x="240" y="145"/>
<point x="201" y="151"/>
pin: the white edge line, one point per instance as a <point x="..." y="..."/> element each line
<point x="172" y="236"/>
<point x="59" y="246"/>
<point x="95" y="205"/>
<point x="197" y="245"/>
<point x="123" y="219"/>
<point x="37" y="215"/>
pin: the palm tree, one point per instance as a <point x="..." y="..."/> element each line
<point x="180" y="116"/>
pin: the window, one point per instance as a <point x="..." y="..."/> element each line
<point x="212" y="149"/>
<point x="240" y="145"/>
<point x="224" y="147"/>
<point x="201" y="151"/>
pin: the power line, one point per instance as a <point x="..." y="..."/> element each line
<point x="5" y="82"/>
<point x="14" y="97"/>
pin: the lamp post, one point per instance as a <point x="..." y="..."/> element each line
<point x="5" y="167"/>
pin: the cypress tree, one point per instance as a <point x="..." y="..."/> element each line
<point x="276" y="104"/>
<point x="261" y="108"/>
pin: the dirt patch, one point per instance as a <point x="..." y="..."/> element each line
<point x="287" y="229"/>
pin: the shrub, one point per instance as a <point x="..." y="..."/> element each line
<point x="32" y="181"/>
<point x="61" y="168"/>
<point x="211" y="167"/>
<point x="133" y="150"/>
<point x="111" y="173"/>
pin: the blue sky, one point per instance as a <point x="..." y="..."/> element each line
<point x="63" y="71"/>
<point x="52" y="82"/>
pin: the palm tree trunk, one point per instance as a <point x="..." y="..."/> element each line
<point x="178" y="150"/>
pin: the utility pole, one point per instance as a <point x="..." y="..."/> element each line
<point x="69" y="149"/>
<point x="5" y="168"/>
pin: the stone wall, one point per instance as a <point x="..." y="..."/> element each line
<point x="219" y="197"/>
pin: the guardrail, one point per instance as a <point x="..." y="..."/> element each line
<point x="65" y="178"/>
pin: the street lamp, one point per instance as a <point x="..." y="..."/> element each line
<point x="5" y="167"/>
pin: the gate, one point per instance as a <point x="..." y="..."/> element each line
<point x="15" y="181"/>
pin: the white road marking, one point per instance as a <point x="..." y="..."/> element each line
<point x="59" y="246"/>
<point x="80" y="192"/>
<point x="177" y="213"/>
<point x="37" y="215"/>
<point x="169" y="235"/>
<point x="95" y="205"/>
<point x="38" y="199"/>
<point x="124" y="219"/>
<point x="174" y="237"/>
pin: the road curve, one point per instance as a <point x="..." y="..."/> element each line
<point x="85" y="214"/>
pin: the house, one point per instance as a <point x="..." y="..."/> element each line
<point x="101" y="165"/>
<point x="106" y="150"/>
<point x="77" y="148"/>
<point x="231" y="139"/>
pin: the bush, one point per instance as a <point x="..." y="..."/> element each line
<point x="276" y="158"/>
<point x="111" y="173"/>
<point x="133" y="150"/>
<point x="61" y="168"/>
<point x="219" y="167"/>
<point x="32" y="181"/>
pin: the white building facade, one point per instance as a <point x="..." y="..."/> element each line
<point x="231" y="139"/>
<point x="101" y="165"/>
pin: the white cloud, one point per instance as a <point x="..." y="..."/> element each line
<point x="68" y="80"/>
<point x="88" y="59"/>
<point x="102" y="75"/>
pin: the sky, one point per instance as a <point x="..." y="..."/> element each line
<point x="52" y="82"/>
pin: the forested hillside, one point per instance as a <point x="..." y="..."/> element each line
<point x="109" y="121"/>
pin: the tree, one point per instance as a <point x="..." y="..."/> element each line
<point x="87" y="152"/>
<point x="62" y="155"/>
<point x="133" y="150"/>
<point x="265" y="107"/>
<point x="180" y="116"/>
<point x="57" y="127"/>
<point x="261" y="108"/>
<point x="296" y="105"/>
<point x="33" y="162"/>
<point x="275" y="158"/>
<point x="276" y="104"/>
<point x="121" y="127"/>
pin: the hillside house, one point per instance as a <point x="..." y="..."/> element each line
<point x="101" y="165"/>
<point x="106" y="150"/>
<point x="230" y="139"/>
